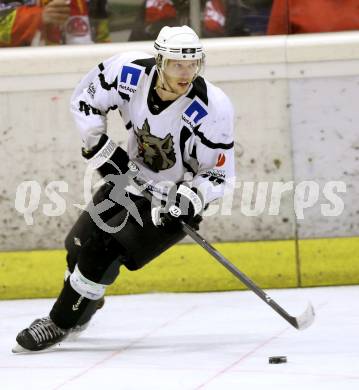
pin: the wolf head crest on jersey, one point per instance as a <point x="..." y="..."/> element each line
<point x="157" y="153"/>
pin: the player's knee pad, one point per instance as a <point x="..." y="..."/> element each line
<point x="97" y="253"/>
<point x="86" y="235"/>
<point x="79" y="234"/>
<point x="85" y="287"/>
<point x="98" y="258"/>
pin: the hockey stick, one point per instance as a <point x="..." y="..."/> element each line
<point x="300" y="322"/>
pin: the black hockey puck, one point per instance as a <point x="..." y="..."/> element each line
<point x="277" y="359"/>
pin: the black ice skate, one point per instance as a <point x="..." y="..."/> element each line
<point x="41" y="334"/>
<point x="73" y="333"/>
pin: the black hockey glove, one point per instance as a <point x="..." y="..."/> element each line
<point x="183" y="203"/>
<point x="109" y="159"/>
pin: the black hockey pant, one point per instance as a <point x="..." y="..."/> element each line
<point x="99" y="254"/>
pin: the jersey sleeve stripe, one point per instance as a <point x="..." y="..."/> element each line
<point x="210" y="144"/>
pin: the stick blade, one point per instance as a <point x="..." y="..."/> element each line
<point x="306" y="319"/>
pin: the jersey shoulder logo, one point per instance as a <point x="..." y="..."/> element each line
<point x="130" y="75"/>
<point x="129" y="78"/>
<point x="194" y="113"/>
<point x="157" y="153"/>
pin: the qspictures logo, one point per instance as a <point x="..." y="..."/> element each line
<point x="254" y="198"/>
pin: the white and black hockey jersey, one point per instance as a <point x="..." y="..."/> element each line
<point x="190" y="139"/>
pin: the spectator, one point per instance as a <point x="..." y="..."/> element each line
<point x="247" y="17"/>
<point x="155" y="14"/>
<point x="21" y="20"/>
<point x="29" y="22"/>
<point x="308" y="16"/>
<point x="99" y="21"/>
<point x="219" y="17"/>
<point x="214" y="18"/>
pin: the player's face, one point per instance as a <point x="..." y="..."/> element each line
<point x="179" y="74"/>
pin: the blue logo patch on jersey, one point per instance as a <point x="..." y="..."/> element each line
<point x="196" y="108"/>
<point x="134" y="74"/>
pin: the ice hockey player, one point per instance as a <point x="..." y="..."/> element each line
<point x="180" y="137"/>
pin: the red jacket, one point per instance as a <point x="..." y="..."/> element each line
<point x="19" y="26"/>
<point x="312" y="16"/>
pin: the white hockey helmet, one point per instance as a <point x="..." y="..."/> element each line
<point x="178" y="43"/>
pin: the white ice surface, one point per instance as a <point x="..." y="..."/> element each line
<point x="193" y="341"/>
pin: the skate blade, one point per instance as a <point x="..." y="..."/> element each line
<point x="72" y="336"/>
<point x="19" y="349"/>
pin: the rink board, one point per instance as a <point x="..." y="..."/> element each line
<point x="187" y="267"/>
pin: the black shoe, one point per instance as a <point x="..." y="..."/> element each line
<point x="41" y="334"/>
